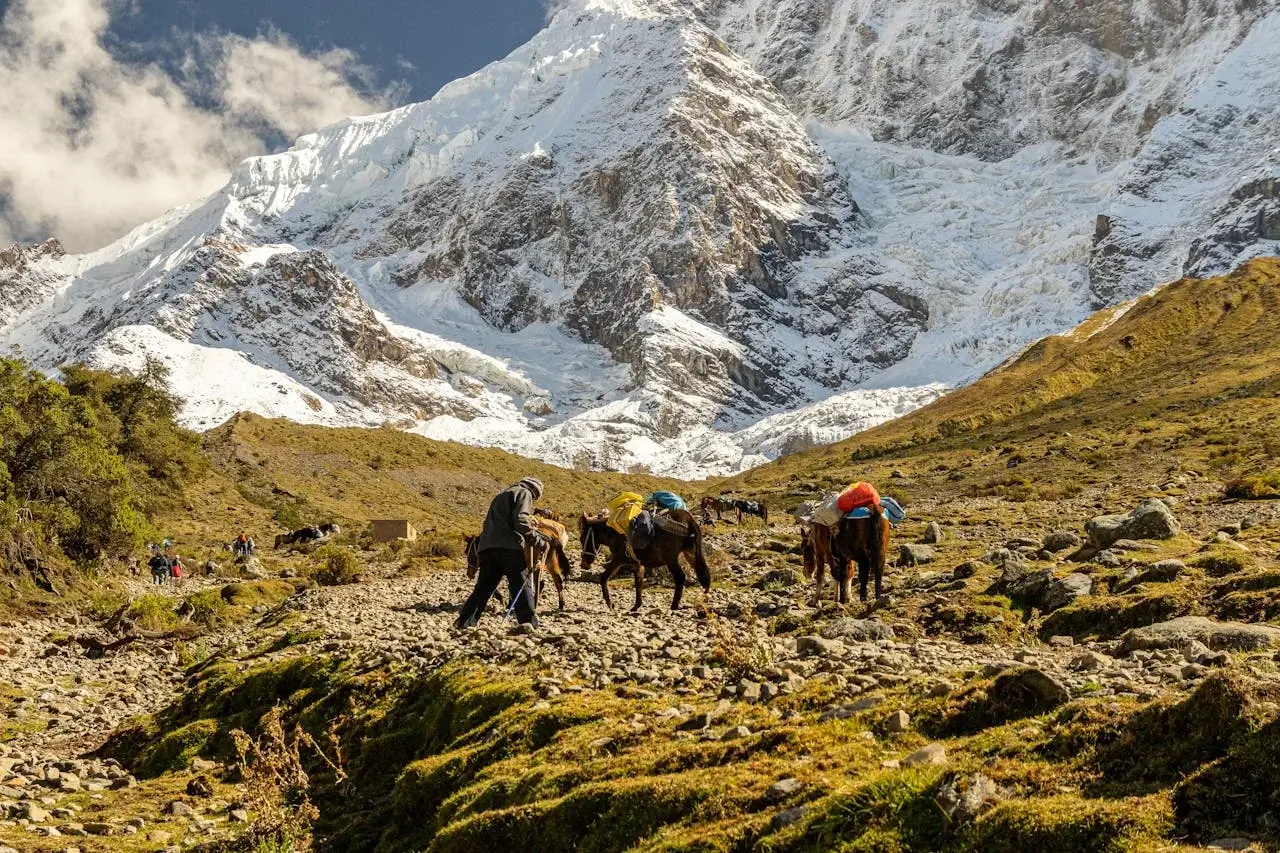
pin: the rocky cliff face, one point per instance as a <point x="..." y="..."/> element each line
<point x="661" y="221"/>
<point x="28" y="276"/>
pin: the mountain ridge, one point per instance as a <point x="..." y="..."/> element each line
<point x="624" y="246"/>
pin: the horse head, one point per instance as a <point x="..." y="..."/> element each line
<point x="588" y="539"/>
<point x="473" y="555"/>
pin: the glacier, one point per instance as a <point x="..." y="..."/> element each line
<point x="688" y="236"/>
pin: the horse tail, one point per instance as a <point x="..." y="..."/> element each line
<point x="764" y="513"/>
<point x="700" y="566"/>
<point x="557" y="547"/>
<point x="879" y="530"/>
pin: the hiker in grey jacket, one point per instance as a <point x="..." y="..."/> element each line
<point x="508" y="528"/>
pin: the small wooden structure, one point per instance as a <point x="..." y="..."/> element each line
<point x="389" y="530"/>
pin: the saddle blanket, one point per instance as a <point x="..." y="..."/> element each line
<point x="892" y="511"/>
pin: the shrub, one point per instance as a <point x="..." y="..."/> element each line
<point x="1255" y="487"/>
<point x="209" y="609"/>
<point x="1219" y="564"/>
<point x="152" y="613"/>
<point x="334" y="565"/>
<point x="436" y="546"/>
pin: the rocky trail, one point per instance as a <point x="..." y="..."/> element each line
<point x="756" y="636"/>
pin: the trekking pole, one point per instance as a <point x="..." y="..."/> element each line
<point x="512" y="608"/>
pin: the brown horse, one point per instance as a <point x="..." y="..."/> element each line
<point x="594" y="533"/>
<point x="553" y="560"/>
<point x="861" y="540"/>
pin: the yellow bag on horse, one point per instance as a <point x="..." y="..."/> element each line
<point x="623" y="509"/>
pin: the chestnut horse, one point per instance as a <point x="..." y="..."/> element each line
<point x="554" y="560"/>
<point x="594" y="533"/>
<point x="861" y="540"/>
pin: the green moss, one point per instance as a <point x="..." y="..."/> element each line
<point x="981" y="620"/>
<point x="1255" y="487"/>
<point x="1164" y="741"/>
<point x="1070" y="824"/>
<point x="258" y="593"/>
<point x="892" y="808"/>
<point x="175" y="749"/>
<point x="1110" y="616"/>
<point x="1231" y="795"/>
<point x="1220" y="563"/>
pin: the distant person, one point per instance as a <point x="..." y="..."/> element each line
<point x="243" y="546"/>
<point x="159" y="566"/>
<point x="176" y="570"/>
<point x="508" y="528"/>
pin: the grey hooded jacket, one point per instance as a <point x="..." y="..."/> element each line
<point x="509" y="523"/>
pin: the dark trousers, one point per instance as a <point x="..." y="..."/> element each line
<point x="495" y="564"/>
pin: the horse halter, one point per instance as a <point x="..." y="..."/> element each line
<point x="589" y="542"/>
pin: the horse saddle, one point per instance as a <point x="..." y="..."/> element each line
<point x="640" y="532"/>
<point x="667" y="524"/>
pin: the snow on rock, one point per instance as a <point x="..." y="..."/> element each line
<point x="634" y="242"/>
<point x="29" y="275"/>
<point x="1200" y="196"/>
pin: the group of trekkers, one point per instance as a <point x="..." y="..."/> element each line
<point x="165" y="564"/>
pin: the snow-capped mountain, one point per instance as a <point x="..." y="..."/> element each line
<point x="695" y="234"/>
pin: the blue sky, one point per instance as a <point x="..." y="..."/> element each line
<point x="440" y="40"/>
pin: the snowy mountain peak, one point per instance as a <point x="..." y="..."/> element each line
<point x="635" y="240"/>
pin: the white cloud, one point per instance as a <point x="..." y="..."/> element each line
<point x="91" y="146"/>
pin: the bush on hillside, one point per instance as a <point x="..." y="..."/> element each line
<point x="334" y="565"/>
<point x="138" y="416"/>
<point x="1257" y="487"/>
<point x="436" y="547"/>
<point x="61" y="482"/>
<point x="81" y="461"/>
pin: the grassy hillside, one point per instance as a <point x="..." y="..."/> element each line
<point x="1182" y="380"/>
<point x="269" y="475"/>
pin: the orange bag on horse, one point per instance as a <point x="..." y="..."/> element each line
<point x="857" y="496"/>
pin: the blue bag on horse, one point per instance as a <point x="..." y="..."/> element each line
<point x="892" y="511"/>
<point x="667" y="500"/>
<point x="641" y="533"/>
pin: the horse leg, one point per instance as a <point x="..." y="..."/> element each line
<point x="819" y="577"/>
<point x="639" y="586"/>
<point x="678" y="576"/>
<point x="558" y="580"/>
<point x="610" y="569"/>
<point x="846" y="584"/>
<point x="864" y="571"/>
<point x="841" y="571"/>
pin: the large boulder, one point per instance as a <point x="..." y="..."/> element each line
<point x="1026" y="692"/>
<point x="1177" y="633"/>
<point x="915" y="555"/>
<point x="1062" y="592"/>
<point x="1030" y="587"/>
<point x="1060" y="540"/>
<point x="1151" y="520"/>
